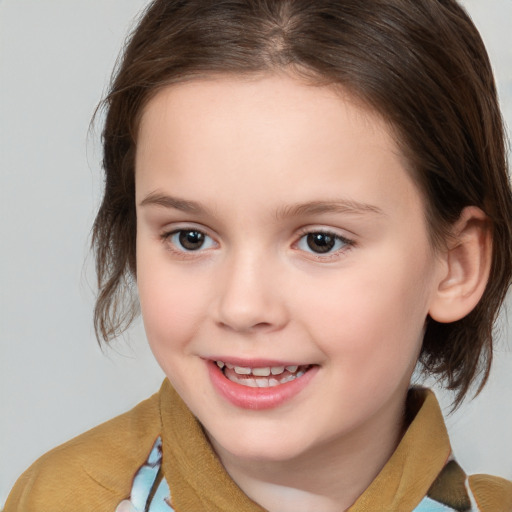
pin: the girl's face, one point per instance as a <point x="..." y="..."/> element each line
<point x="280" y="237"/>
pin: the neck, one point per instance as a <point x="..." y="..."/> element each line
<point x="328" y="479"/>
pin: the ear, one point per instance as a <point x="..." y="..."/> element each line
<point x="464" y="267"/>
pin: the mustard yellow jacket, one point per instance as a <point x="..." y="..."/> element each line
<point x="156" y="458"/>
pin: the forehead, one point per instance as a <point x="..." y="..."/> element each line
<point x="294" y="140"/>
<point x="271" y="96"/>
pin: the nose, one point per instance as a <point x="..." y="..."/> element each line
<point x="250" y="297"/>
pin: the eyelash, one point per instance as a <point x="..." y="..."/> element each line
<point x="346" y="243"/>
<point x="172" y="245"/>
<point x="167" y="238"/>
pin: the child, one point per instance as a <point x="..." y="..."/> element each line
<point x="310" y="197"/>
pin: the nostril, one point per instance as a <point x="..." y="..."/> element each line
<point x="260" y="326"/>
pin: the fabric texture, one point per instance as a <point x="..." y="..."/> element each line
<point x="156" y="458"/>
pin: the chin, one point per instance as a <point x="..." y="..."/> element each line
<point x="258" y="444"/>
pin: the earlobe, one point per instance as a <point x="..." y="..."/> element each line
<point x="465" y="267"/>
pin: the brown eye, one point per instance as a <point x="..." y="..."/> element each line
<point x="323" y="242"/>
<point x="188" y="241"/>
<point x="320" y="242"/>
<point x="191" y="240"/>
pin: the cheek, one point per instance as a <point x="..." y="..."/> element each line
<point x="171" y="303"/>
<point x="372" y="318"/>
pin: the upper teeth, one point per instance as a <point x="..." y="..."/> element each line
<point x="258" y="372"/>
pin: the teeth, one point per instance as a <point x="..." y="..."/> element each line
<point x="248" y="382"/>
<point x="241" y="370"/>
<point x="260" y="383"/>
<point x="261" y="372"/>
<point x="288" y="378"/>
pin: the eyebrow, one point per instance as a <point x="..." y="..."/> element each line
<point x="319" y="207"/>
<point x="293" y="210"/>
<point x="158" y="199"/>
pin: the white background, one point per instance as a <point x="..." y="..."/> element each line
<point x="55" y="61"/>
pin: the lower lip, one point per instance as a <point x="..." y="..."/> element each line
<point x="257" y="398"/>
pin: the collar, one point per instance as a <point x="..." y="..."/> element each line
<point x="198" y="481"/>
<point x="417" y="461"/>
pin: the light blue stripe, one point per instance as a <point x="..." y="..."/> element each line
<point x="159" y="503"/>
<point x="429" y="505"/>
<point x="144" y="481"/>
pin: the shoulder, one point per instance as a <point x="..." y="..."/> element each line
<point x="93" y="471"/>
<point x="491" y="493"/>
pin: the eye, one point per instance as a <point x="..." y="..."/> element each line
<point x="322" y="242"/>
<point x="189" y="240"/>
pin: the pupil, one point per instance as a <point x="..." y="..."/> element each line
<point x="320" y="242"/>
<point x="191" y="240"/>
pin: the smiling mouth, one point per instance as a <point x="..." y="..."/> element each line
<point x="263" y="377"/>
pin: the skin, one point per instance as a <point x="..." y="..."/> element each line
<point x="247" y="152"/>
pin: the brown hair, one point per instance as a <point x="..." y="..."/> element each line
<point x="420" y="63"/>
